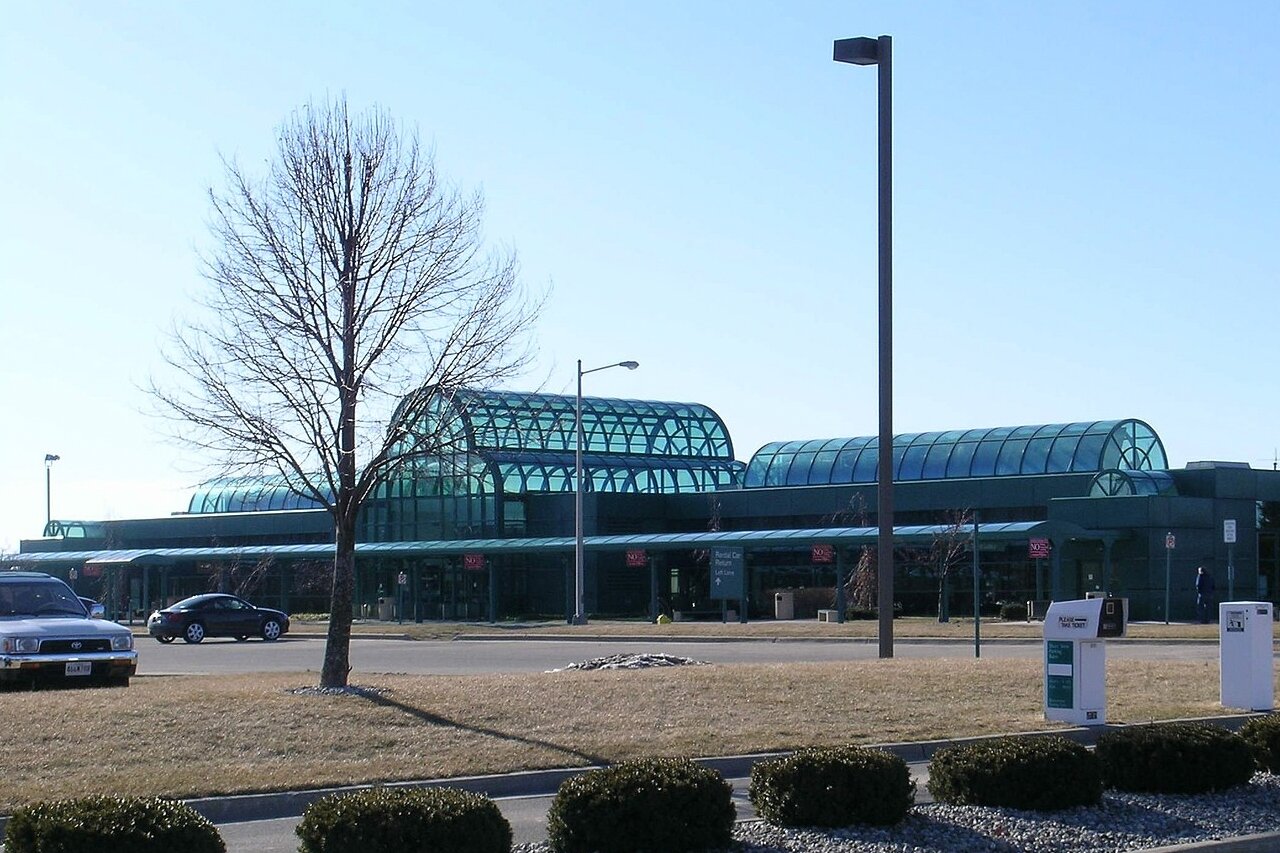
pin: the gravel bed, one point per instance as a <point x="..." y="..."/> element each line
<point x="1122" y="822"/>
<point x="633" y="661"/>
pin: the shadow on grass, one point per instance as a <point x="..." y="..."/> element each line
<point x="437" y="720"/>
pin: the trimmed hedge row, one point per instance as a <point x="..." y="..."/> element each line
<point x="390" y="820"/>
<point x="1263" y="735"/>
<point x="102" y="824"/>
<point x="669" y="804"/>
<point x="1051" y="772"/>
<point x="838" y="786"/>
<point x="1174" y="758"/>
<point x="1041" y="773"/>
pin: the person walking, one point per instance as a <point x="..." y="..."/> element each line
<point x="1204" y="594"/>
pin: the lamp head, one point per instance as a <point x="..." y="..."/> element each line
<point x="51" y="457"/>
<point x="629" y="365"/>
<point x="857" y="51"/>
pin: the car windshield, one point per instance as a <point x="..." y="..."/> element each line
<point x="39" y="598"/>
<point x="195" y="602"/>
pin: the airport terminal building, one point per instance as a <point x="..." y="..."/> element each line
<point x="488" y="530"/>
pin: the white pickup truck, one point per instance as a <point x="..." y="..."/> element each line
<point x="49" y="636"/>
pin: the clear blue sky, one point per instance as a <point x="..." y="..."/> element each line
<point x="1085" y="207"/>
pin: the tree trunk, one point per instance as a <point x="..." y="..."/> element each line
<point x="944" y="599"/>
<point x="337" y="650"/>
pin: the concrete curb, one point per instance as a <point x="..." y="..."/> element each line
<point x="1262" y="843"/>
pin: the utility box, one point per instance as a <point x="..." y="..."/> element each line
<point x="784" y="605"/>
<point x="1245" y="631"/>
<point x="1075" y="657"/>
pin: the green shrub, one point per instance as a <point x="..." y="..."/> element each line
<point x="391" y="820"/>
<point x="1174" y="758"/>
<point x="854" y="612"/>
<point x="1041" y="773"/>
<point x="111" y="825"/>
<point x="1013" y="611"/>
<point x="840" y="786"/>
<point x="667" y="804"/>
<point x="1263" y="734"/>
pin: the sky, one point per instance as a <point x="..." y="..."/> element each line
<point x="1085" y="208"/>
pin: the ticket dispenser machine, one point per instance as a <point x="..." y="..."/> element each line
<point x="1245" y="631"/>
<point x="1075" y="657"/>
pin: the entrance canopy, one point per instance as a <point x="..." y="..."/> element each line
<point x="1017" y="531"/>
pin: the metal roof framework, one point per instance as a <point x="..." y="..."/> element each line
<point x="1017" y="531"/>
<point x="1130" y="445"/>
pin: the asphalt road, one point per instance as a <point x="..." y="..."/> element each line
<point x="464" y="657"/>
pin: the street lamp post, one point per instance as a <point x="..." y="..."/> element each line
<point x="49" y="459"/>
<point x="579" y="608"/>
<point x="879" y="52"/>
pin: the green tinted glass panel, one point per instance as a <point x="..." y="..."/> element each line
<point x="1001" y="451"/>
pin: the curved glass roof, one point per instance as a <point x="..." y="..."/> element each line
<point x="554" y="472"/>
<point x="526" y="443"/>
<point x="1129" y="445"/>
<point x="74" y="529"/>
<point x="247" y="494"/>
<point x="506" y="420"/>
<point x="1113" y="483"/>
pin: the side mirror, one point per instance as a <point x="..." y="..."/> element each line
<point x="97" y="611"/>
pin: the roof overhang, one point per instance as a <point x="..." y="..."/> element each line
<point x="1018" y="531"/>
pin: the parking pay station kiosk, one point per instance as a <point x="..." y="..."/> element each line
<point x="1244" y="654"/>
<point x="1075" y="657"/>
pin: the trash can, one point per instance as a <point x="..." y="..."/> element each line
<point x="386" y="609"/>
<point x="784" y="605"/>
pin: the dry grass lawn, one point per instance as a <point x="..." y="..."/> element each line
<point x="192" y="736"/>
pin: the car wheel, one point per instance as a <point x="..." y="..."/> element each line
<point x="194" y="633"/>
<point x="271" y="630"/>
<point x="164" y="638"/>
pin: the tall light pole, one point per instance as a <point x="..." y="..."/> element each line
<point x="49" y="459"/>
<point x="879" y="52"/>
<point x="579" y="607"/>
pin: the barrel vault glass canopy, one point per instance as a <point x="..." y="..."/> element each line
<point x="527" y="442"/>
<point x="247" y="494"/>
<point x="501" y="441"/>
<point x="1125" y="445"/>
<point x="1115" y="483"/>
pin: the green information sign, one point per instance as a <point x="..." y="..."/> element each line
<point x="1059" y="651"/>
<point x="1058" y="690"/>
<point x="728" y="578"/>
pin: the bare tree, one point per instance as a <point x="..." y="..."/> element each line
<point x="948" y="546"/>
<point x="349" y="287"/>
<point x="238" y="578"/>
<point x="862" y="584"/>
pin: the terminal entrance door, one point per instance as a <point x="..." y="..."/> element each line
<point x="1089" y="577"/>
<point x="451" y="593"/>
